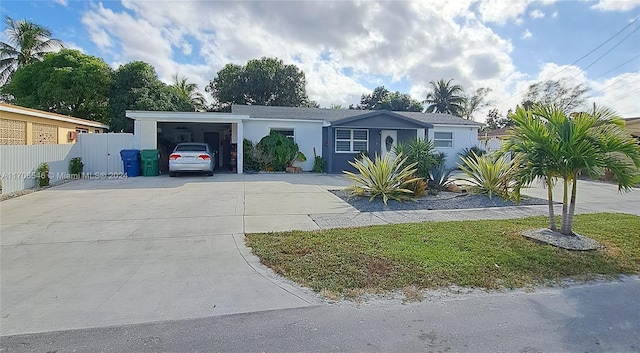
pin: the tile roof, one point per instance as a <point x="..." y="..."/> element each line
<point x="330" y="115"/>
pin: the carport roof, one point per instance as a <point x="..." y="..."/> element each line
<point x="186" y="117"/>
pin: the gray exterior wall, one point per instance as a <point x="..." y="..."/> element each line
<point x="337" y="162"/>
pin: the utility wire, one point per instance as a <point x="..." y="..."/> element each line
<point x="584" y="56"/>
<point x="610" y="49"/>
<point x="620" y="96"/>
<point x="623" y="64"/>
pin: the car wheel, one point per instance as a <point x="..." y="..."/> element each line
<point x="172" y="174"/>
<point x="210" y="173"/>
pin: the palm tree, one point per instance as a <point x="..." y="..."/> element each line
<point x="28" y="42"/>
<point x="536" y="156"/>
<point x="558" y="146"/>
<point x="445" y="98"/>
<point x="190" y="90"/>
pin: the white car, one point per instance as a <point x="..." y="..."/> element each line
<point x="191" y="157"/>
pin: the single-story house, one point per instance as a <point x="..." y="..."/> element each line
<point x="25" y="126"/>
<point x="338" y="135"/>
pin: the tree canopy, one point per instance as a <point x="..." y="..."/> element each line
<point x="28" y="42"/>
<point x="445" y="98"/>
<point x="383" y="99"/>
<point x="137" y="87"/>
<point x="190" y="91"/>
<point x="67" y="82"/>
<point x="495" y="120"/>
<point x="265" y="81"/>
<point x="471" y="104"/>
<point x="561" y="94"/>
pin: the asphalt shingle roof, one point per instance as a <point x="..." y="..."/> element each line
<point x="330" y="115"/>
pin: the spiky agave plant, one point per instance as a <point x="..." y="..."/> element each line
<point x="385" y="177"/>
<point x="489" y="176"/>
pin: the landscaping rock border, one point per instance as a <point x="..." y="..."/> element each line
<point x="570" y="242"/>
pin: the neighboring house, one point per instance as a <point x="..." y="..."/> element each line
<point x="492" y="140"/>
<point x="24" y="126"/>
<point x="633" y="126"/>
<point x="338" y="135"/>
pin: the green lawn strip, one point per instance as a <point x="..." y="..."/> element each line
<point x="483" y="254"/>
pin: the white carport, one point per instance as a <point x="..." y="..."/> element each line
<point x="146" y="126"/>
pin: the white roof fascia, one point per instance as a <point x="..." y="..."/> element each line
<point x="72" y="120"/>
<point x="454" y="125"/>
<point x="185" y="117"/>
<point x="289" y="120"/>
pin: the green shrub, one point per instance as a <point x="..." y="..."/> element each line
<point x="42" y="175"/>
<point x="76" y="167"/>
<point x="472" y="152"/>
<point x="319" y="164"/>
<point x="419" y="151"/>
<point x="279" y="151"/>
<point x="252" y="159"/>
<point x="489" y="176"/>
<point x="386" y="178"/>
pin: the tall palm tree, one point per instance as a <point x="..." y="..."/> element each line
<point x="561" y="146"/>
<point x="190" y="90"/>
<point x="28" y="42"/>
<point x="445" y="98"/>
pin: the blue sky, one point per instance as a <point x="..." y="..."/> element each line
<point x="348" y="48"/>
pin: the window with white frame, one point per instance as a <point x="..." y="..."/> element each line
<point x="82" y="130"/>
<point x="443" y="139"/>
<point x="352" y="140"/>
<point x="286" y="132"/>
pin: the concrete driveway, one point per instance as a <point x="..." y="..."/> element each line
<point x="94" y="253"/>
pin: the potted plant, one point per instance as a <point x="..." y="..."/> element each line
<point x="297" y="157"/>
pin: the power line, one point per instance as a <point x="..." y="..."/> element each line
<point x="610" y="49"/>
<point x="587" y="54"/>
<point x="623" y="64"/>
<point x="620" y="96"/>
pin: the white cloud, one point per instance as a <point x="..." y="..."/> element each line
<point x="526" y="34"/>
<point x="621" y="93"/>
<point x="536" y="14"/>
<point x="616" y="5"/>
<point x="501" y="11"/>
<point x="368" y="40"/>
<point x="61" y="2"/>
<point x="555" y="14"/>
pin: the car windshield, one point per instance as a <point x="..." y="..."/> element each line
<point x="188" y="148"/>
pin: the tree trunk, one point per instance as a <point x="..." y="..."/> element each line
<point x="572" y="208"/>
<point x="565" y="204"/>
<point x="552" y="216"/>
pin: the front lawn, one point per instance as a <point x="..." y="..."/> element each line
<point x="484" y="254"/>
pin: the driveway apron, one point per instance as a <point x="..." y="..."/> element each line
<point x="94" y="253"/>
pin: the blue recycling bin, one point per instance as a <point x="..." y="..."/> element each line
<point x="131" y="162"/>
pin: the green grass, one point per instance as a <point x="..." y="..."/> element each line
<point x="484" y="254"/>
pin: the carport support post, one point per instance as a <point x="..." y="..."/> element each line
<point x="240" y="147"/>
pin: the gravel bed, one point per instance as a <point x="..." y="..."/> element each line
<point x="444" y="200"/>
<point x="15" y="194"/>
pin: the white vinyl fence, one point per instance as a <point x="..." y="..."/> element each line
<point x="19" y="163"/>
<point x="100" y="154"/>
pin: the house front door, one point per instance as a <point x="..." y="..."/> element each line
<point x="388" y="142"/>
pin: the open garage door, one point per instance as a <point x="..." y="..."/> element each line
<point x="216" y="135"/>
